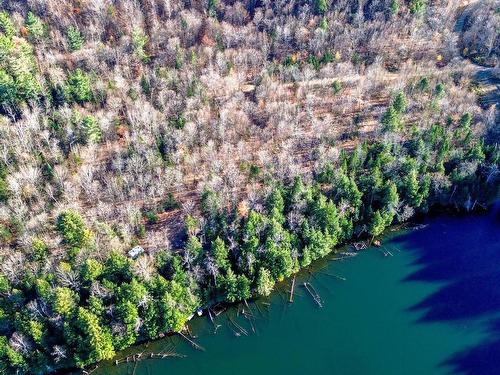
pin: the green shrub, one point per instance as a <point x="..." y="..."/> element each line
<point x="178" y="122"/>
<point x="417" y="6"/>
<point x="133" y="94"/>
<point x="5" y="234"/>
<point x="170" y="203"/>
<point x="152" y="217"/>
<point x="145" y="85"/>
<point x="254" y="171"/>
<point x="424" y="84"/>
<point x="212" y="7"/>
<point x="4" y="190"/>
<point x="39" y="249"/>
<point x="323" y="24"/>
<point x="179" y="57"/>
<point x="440" y="91"/>
<point x="75" y="39"/>
<point x="337" y="86"/>
<point x="64" y="301"/>
<point x="265" y="282"/>
<point x="314" y="61"/>
<point x="289" y="61"/>
<point x="91" y="270"/>
<point x="394" y="7"/>
<point x="356" y="58"/>
<point x="140" y="230"/>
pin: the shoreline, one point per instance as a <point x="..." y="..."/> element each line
<point x="392" y="231"/>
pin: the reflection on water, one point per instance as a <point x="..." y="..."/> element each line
<point x="431" y="308"/>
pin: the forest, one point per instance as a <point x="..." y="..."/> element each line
<point x="157" y="156"/>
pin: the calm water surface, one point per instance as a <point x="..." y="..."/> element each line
<point x="431" y="308"/>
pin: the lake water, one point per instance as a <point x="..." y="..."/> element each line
<point x="430" y="308"/>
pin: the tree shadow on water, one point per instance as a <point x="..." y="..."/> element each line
<point x="464" y="254"/>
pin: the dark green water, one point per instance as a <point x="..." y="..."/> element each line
<point x="431" y="308"/>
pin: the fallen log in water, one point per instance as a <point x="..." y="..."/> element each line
<point x="90" y="371"/>
<point x="140" y="357"/>
<point x="335" y="276"/>
<point x="240" y="328"/>
<point x="291" y="290"/>
<point x="216" y="326"/>
<point x="313" y="294"/>
<point x="195" y="345"/>
<point x="342" y="257"/>
<point x="348" y="253"/>
<point x="358" y="246"/>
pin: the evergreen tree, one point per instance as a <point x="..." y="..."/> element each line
<point x="118" y="268"/>
<point x="243" y="288"/>
<point x="400" y="103"/>
<point x="323" y="25"/>
<point x="194" y="247"/>
<point x="466" y="120"/>
<point x="345" y="189"/>
<point x="417" y="6"/>
<point x="265" y="282"/>
<point x="390" y="119"/>
<point x="179" y="57"/>
<point x="11" y="362"/>
<point x="78" y="87"/>
<point x="8" y="91"/>
<point x="276" y="206"/>
<point x="91" y="270"/>
<point x="150" y="318"/>
<point x="18" y="81"/>
<point x="65" y="301"/>
<point x="390" y="198"/>
<point x="139" y="41"/>
<point x="377" y="224"/>
<point x="337" y="86"/>
<point x="411" y="188"/>
<point x="440" y="91"/>
<point x="212" y="7"/>
<point x="220" y="254"/>
<point x="128" y="315"/>
<point x="229" y="287"/>
<point x="35" y="26"/>
<point x="75" y="39"/>
<point x="320" y="6"/>
<point x="72" y="227"/>
<point x="317" y="244"/>
<point x="91" y="130"/>
<point x="278" y="255"/>
<point x="89" y="340"/>
<point x="6" y="25"/>
<point x="394" y="7"/>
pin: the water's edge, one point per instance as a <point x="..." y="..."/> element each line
<point x="314" y="269"/>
